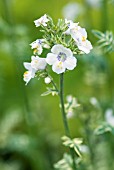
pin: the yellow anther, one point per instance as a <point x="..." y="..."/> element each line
<point x="83" y="38"/>
<point x="36" y="61"/>
<point x="35" y="51"/>
<point x="59" y="65"/>
<point x="25" y="73"/>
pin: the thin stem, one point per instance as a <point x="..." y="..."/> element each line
<point x="65" y="122"/>
<point x="53" y="83"/>
<point x="67" y="131"/>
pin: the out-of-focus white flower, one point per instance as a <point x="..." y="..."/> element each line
<point x="61" y="59"/>
<point x="72" y="100"/>
<point x="93" y="101"/>
<point x="94" y="3"/>
<point x="84" y="148"/>
<point x="30" y="73"/>
<point x="41" y="21"/>
<point x="109" y="116"/>
<point x="38" y="63"/>
<point x="72" y="10"/>
<point x="70" y="106"/>
<point x="37" y="46"/>
<point x="47" y="80"/>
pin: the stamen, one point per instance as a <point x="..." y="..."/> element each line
<point x="83" y="38"/>
<point x="62" y="57"/>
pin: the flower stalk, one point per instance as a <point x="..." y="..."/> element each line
<point x="65" y="122"/>
<point x="67" y="131"/>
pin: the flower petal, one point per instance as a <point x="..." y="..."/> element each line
<point x="42" y="64"/>
<point x="38" y="63"/>
<point x="27" y="65"/>
<point x="56" y="49"/>
<point x="70" y="63"/>
<point x="85" y="46"/>
<point x="58" y="67"/>
<point x="51" y="58"/>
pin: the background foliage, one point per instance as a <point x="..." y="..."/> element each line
<point x="31" y="125"/>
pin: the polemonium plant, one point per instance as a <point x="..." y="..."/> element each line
<point x="63" y="41"/>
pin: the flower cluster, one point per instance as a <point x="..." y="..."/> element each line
<point x="61" y="48"/>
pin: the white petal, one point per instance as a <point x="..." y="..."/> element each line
<point x="38" y="63"/>
<point x="42" y="64"/>
<point x="58" y="67"/>
<point x="56" y="49"/>
<point x="51" y="58"/>
<point x="70" y="63"/>
<point x="39" y="50"/>
<point x="33" y="71"/>
<point x="85" y="46"/>
<point x="27" y="76"/>
<point x="27" y="65"/>
<point x="33" y="58"/>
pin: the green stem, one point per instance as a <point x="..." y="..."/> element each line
<point x="104" y="15"/>
<point x="65" y="122"/>
<point x="67" y="131"/>
<point x="53" y="83"/>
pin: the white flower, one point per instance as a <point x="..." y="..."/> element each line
<point x="70" y="113"/>
<point x="72" y="10"/>
<point x="72" y="101"/>
<point x="80" y="37"/>
<point x="70" y="106"/>
<point x="93" y="101"/>
<point x="61" y="59"/>
<point x="72" y="27"/>
<point x="78" y="34"/>
<point x="109" y="117"/>
<point x="94" y="3"/>
<point x="84" y="148"/>
<point x="38" y="63"/>
<point x="41" y="21"/>
<point x="47" y="80"/>
<point x="37" y="45"/>
<point x="30" y="73"/>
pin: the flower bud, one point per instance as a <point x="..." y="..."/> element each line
<point x="47" y="80"/>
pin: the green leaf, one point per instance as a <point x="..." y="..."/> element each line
<point x="106" y="40"/>
<point x="104" y="128"/>
<point x="72" y="143"/>
<point x="46" y="93"/>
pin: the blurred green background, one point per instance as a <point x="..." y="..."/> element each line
<point x="31" y="125"/>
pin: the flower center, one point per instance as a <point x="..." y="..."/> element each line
<point x="62" y="57"/>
